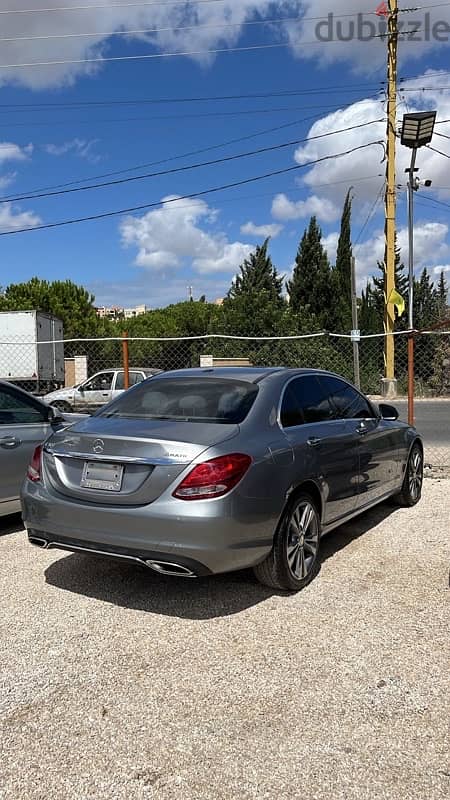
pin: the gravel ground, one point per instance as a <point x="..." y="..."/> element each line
<point x="117" y="683"/>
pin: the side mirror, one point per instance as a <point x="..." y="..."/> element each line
<point x="80" y="388"/>
<point x="54" y="416"/>
<point x="389" y="413"/>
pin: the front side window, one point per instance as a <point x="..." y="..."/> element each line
<point x="18" y="410"/>
<point x="99" y="383"/>
<point x="347" y="401"/>
<point x="186" y="399"/>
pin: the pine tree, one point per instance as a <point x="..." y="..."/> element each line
<point x="258" y="274"/>
<point x="342" y="281"/>
<point x="310" y="287"/>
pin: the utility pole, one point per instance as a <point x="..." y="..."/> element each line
<point x="389" y="387"/>
<point x="355" y="332"/>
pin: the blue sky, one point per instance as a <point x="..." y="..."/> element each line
<point x="152" y="257"/>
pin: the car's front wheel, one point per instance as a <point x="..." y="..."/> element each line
<point x="413" y="481"/>
<point x="293" y="560"/>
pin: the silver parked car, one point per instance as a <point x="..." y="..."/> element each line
<point x="98" y="390"/>
<point x="24" y="423"/>
<point x="210" y="470"/>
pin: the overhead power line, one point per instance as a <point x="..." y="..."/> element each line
<point x="331" y="89"/>
<point x="173" y="158"/>
<point x="177" y="54"/>
<point x="174" y="170"/>
<point x="170" y="28"/>
<point x="108" y="6"/>
<point x="176" y="117"/>
<point x="439" y="152"/>
<point x="204" y="192"/>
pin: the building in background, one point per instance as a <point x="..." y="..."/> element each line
<point x="117" y="312"/>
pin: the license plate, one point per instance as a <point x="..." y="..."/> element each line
<point x="107" y="477"/>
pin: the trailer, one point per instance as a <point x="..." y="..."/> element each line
<point x="32" y="350"/>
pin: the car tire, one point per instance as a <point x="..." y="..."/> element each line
<point x="61" y="405"/>
<point x="413" y="481"/>
<point x="293" y="560"/>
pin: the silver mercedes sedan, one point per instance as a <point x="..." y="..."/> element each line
<point x="204" y="471"/>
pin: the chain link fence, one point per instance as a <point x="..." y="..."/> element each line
<point x="41" y="367"/>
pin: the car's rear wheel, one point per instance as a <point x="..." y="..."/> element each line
<point x="413" y="481"/>
<point x="293" y="560"/>
<point x="61" y="405"/>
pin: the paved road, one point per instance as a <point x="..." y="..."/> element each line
<point x="432" y="420"/>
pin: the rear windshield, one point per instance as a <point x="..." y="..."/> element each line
<point x="186" y="399"/>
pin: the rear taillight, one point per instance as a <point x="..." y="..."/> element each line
<point x="34" y="469"/>
<point x="213" y="478"/>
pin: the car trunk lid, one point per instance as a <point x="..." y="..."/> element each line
<point x="126" y="461"/>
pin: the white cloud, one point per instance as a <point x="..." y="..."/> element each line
<point x="285" y="209"/>
<point x="7" y="179"/>
<point x="330" y="244"/>
<point x="203" y="19"/>
<point x="263" y="231"/>
<point x="78" y="147"/>
<point x="12" y="220"/>
<point x="170" y="236"/>
<point x="363" y="56"/>
<point x="363" y="169"/>
<point x="431" y="246"/>
<point x="12" y="152"/>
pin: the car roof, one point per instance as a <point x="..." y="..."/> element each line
<point x="248" y="374"/>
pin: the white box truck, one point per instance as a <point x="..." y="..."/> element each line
<point x="31" y="350"/>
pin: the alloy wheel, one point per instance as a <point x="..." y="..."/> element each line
<point x="415" y="474"/>
<point x="302" y="540"/>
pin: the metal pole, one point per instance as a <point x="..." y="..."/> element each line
<point x="389" y="387"/>
<point x="411" y="370"/>
<point x="125" y="360"/>
<point x="355" y="325"/>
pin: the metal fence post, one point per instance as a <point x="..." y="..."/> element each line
<point x="125" y="360"/>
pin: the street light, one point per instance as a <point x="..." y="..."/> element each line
<point x="417" y="131"/>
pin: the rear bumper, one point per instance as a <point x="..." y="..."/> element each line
<point x="209" y="537"/>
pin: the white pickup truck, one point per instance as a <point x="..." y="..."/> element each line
<point x="97" y="391"/>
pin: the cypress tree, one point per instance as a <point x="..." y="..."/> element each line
<point x="442" y="296"/>
<point x="342" y="282"/>
<point x="310" y="287"/>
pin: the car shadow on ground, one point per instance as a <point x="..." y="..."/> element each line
<point x="136" y="588"/>
<point x="11" y="524"/>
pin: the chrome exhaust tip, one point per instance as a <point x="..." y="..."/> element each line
<point x="166" y="568"/>
<point x="37" y="541"/>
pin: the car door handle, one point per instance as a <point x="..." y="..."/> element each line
<point x="362" y="430"/>
<point x="9" y="442"/>
<point x="314" y="442"/>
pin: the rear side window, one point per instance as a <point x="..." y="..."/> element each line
<point x="186" y="399"/>
<point x="134" y="377"/>
<point x="305" y="401"/>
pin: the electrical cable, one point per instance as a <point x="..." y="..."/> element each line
<point x="202" y="193"/>
<point x="175" y="170"/>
